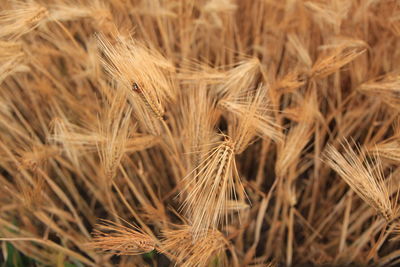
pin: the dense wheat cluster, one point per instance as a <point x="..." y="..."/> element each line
<point x="200" y="133"/>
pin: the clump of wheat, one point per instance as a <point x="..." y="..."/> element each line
<point x="200" y="132"/>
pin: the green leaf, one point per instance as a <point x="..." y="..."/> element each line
<point x="13" y="257"/>
<point x="16" y="258"/>
<point x="150" y="255"/>
<point x="74" y="264"/>
<point x="215" y="262"/>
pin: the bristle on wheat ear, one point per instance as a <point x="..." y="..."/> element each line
<point x="211" y="187"/>
<point x="111" y="237"/>
<point x="365" y="179"/>
<point x="193" y="251"/>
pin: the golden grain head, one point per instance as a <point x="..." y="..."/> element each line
<point x="189" y="251"/>
<point x="111" y="237"/>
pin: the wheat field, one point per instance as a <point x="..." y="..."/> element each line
<point x="199" y="133"/>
